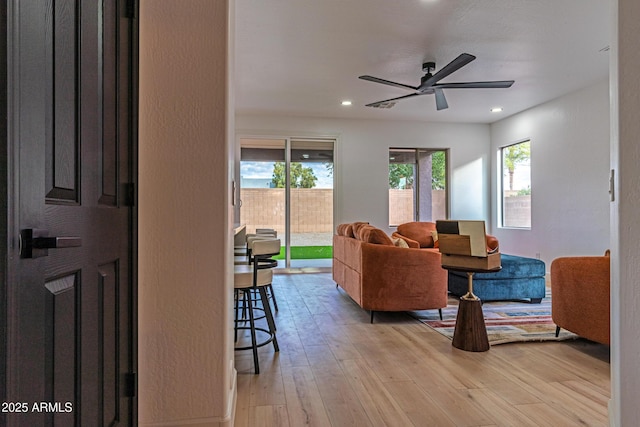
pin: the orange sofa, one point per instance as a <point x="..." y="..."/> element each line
<point x="380" y="276"/>
<point x="580" y="296"/>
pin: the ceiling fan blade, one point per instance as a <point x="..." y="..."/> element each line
<point x="462" y="60"/>
<point x="387" y="82"/>
<point x="388" y="103"/>
<point x="476" y="85"/>
<point x="441" y="101"/>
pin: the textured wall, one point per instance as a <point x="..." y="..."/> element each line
<point x="185" y="348"/>
<point x="569" y="175"/>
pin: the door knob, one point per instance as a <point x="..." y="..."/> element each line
<point x="35" y="243"/>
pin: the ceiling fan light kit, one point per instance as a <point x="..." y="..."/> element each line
<point x="429" y="83"/>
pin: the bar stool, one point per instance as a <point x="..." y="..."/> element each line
<point x="252" y="281"/>
<point x="250" y="243"/>
<point x="241" y="250"/>
<point x="269" y="231"/>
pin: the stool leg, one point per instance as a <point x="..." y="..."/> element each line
<point x="273" y="297"/>
<point x="236" y="305"/>
<point x="245" y="295"/>
<point x="253" y="336"/>
<point x="267" y="311"/>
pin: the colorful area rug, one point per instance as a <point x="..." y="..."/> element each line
<point x="506" y="321"/>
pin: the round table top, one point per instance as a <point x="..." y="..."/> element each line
<point x="472" y="269"/>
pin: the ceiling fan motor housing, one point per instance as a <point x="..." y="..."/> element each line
<point x="427" y="67"/>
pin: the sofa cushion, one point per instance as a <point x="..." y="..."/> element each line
<point x="341" y="230"/>
<point x="355" y="228"/>
<point x="370" y="234"/>
<point x="419" y="231"/>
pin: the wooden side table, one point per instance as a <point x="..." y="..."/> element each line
<point x="470" y="332"/>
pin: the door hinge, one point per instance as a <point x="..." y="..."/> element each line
<point x="132" y="9"/>
<point x="131" y="384"/>
<point x="129" y="194"/>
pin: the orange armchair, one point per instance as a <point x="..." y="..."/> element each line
<point x="580" y="296"/>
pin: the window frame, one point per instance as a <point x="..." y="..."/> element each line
<point x="416" y="188"/>
<point x="502" y="172"/>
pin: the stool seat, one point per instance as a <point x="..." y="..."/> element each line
<point x="243" y="276"/>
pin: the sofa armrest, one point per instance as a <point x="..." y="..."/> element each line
<point x="580" y="296"/>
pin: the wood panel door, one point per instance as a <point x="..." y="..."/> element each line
<point x="70" y="294"/>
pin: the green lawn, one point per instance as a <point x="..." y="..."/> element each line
<point x="308" y="252"/>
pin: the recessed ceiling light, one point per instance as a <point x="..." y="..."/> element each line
<point x="346" y="102"/>
<point x="496" y="109"/>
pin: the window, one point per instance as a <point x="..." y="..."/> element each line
<point x="516" y="185"/>
<point x="417" y="185"/>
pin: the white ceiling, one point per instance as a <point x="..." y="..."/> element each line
<point x="303" y="57"/>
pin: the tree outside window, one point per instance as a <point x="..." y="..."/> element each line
<point x="301" y="177"/>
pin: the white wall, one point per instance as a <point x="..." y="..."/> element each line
<point x="186" y="374"/>
<point x="362" y="155"/>
<point x="569" y="175"/>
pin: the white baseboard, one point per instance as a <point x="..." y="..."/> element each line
<point x="611" y="413"/>
<point x="225" y="421"/>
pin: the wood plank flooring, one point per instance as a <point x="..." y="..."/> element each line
<point x="334" y="368"/>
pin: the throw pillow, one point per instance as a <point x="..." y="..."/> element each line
<point x="434" y="236"/>
<point x="348" y="230"/>
<point x="419" y="231"/>
<point x="370" y="234"/>
<point x="400" y="242"/>
<point x="342" y="229"/>
<point x="356" y="226"/>
<point x="492" y="244"/>
<point x="410" y="242"/>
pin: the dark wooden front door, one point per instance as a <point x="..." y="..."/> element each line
<point x="70" y="310"/>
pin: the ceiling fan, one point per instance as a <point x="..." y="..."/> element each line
<point x="429" y="83"/>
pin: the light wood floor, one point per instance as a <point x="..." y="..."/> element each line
<point x="334" y="368"/>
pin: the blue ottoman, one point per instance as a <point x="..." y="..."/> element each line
<point x="520" y="278"/>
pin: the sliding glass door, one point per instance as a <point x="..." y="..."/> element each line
<point x="287" y="184"/>
<point x="311" y="201"/>
<point x="262" y="204"/>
